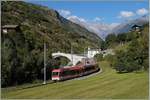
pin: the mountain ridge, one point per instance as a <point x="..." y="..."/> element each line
<point x="103" y="29"/>
<point x="126" y="27"/>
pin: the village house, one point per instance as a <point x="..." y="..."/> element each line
<point x="10" y="28"/>
<point x="136" y="28"/>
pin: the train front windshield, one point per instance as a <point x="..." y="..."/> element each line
<point x="55" y="73"/>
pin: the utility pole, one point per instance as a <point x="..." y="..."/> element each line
<point x="71" y="54"/>
<point x="85" y="57"/>
<point x="44" y="63"/>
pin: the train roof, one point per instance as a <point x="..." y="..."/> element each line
<point x="76" y="67"/>
<point x="57" y="70"/>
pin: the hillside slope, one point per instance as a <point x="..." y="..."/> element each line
<point x="22" y="51"/>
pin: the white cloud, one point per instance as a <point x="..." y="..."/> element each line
<point x="97" y="19"/>
<point x="76" y="18"/>
<point x="142" y="11"/>
<point x="126" y="14"/>
<point x="64" y="13"/>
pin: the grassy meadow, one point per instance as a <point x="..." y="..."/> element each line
<point x="106" y="85"/>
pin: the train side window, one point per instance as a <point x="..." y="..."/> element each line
<point x="72" y="72"/>
<point x="65" y="73"/>
<point x="89" y="68"/>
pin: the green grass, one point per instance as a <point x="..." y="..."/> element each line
<point x="107" y="84"/>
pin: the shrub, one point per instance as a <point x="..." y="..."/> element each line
<point x="98" y="57"/>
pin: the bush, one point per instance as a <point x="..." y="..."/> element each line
<point x="98" y="57"/>
<point x="132" y="59"/>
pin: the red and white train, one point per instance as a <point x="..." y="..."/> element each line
<point x="87" y="66"/>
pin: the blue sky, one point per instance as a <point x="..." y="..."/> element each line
<point x="106" y="11"/>
<point x="100" y="17"/>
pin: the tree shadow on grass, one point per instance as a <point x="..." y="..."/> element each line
<point x="35" y="85"/>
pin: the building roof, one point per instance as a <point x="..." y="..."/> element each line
<point x="10" y="26"/>
<point x="136" y="26"/>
